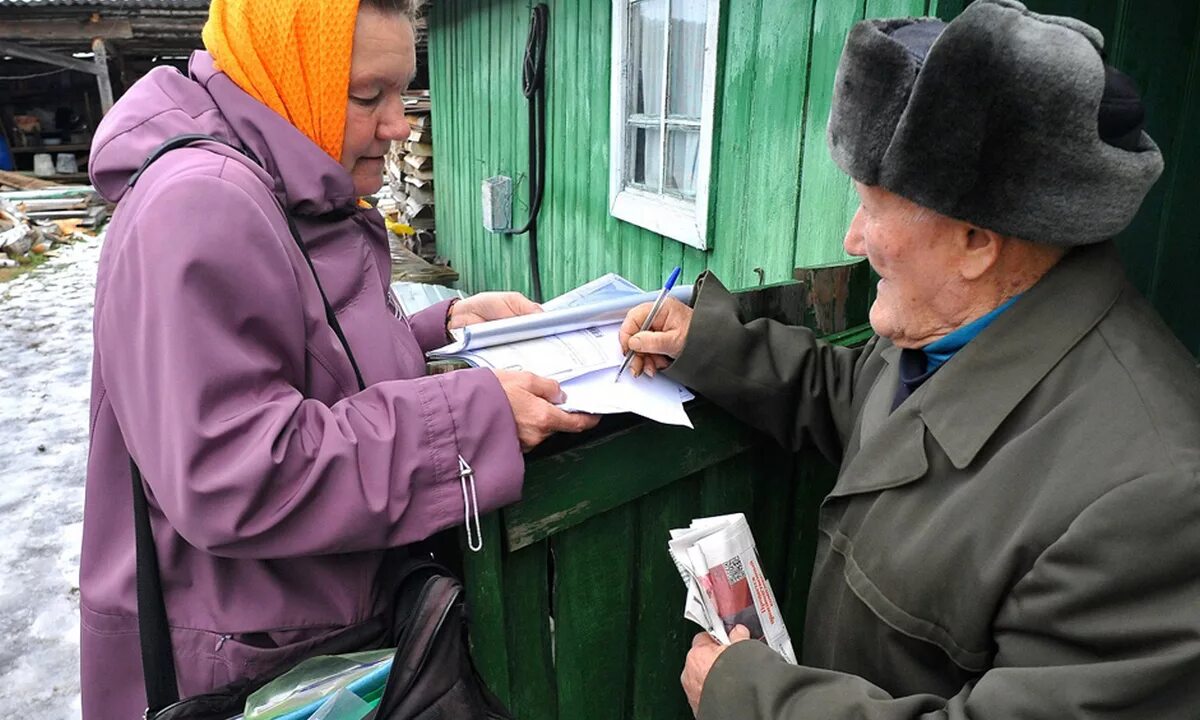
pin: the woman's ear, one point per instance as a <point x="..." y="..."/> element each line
<point x="980" y="251"/>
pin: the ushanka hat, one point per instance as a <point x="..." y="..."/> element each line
<point x="1003" y="118"/>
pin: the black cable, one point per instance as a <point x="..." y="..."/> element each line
<point x="534" y="89"/>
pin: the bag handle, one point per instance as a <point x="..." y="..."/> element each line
<point x="158" y="658"/>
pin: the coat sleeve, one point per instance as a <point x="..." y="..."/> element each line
<point x="775" y="377"/>
<point x="429" y="326"/>
<point x="1106" y="624"/>
<point x="205" y="357"/>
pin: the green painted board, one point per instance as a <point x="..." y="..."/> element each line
<point x="593" y="611"/>
<point x="533" y="690"/>
<point x="555" y="487"/>
<point x="1176" y="292"/>
<point x="661" y="635"/>
<point x="827" y="199"/>
<point x="485" y="602"/>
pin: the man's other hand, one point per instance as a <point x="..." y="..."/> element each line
<point x="700" y="659"/>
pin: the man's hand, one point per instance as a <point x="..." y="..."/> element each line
<point x="662" y="343"/>
<point x="532" y="399"/>
<point x="490" y="306"/>
<point x="700" y="659"/>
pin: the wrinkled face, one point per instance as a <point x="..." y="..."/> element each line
<point x="919" y="297"/>
<point x="383" y="64"/>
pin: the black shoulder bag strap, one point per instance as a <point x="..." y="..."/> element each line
<point x="158" y="660"/>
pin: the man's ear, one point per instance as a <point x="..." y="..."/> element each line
<point x="980" y="250"/>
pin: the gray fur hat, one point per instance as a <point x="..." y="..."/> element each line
<point x="993" y="118"/>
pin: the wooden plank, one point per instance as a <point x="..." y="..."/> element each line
<point x="947" y="9"/>
<point x="7" y="47"/>
<point x="67" y="29"/>
<point x="733" y="153"/>
<point x="774" y="502"/>
<point x="103" y="81"/>
<point x="894" y="8"/>
<point x="1154" y="45"/>
<point x="835" y="295"/>
<point x="729" y="487"/>
<point x="1177" y="294"/>
<point x="785" y="302"/>
<point x="610" y="472"/>
<point x="527" y="588"/>
<point x="22" y="181"/>
<point x="593" y="613"/>
<point x="483" y="580"/>
<point x="827" y="199"/>
<point x="814" y="479"/>
<point x="661" y="635"/>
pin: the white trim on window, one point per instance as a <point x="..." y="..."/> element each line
<point x="675" y="217"/>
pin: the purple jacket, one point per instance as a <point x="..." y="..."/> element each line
<point x="275" y="486"/>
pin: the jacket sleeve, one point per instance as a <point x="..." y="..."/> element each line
<point x="205" y="357"/>
<point x="775" y="377"/>
<point x="429" y="326"/>
<point x="1106" y="624"/>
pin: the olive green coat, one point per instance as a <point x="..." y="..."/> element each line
<point x="1019" y="539"/>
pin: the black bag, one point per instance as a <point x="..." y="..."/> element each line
<point x="432" y="676"/>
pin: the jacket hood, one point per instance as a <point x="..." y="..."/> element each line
<point x="166" y="103"/>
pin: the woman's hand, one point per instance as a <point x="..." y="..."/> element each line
<point x="490" y="306"/>
<point x="532" y="399"/>
<point x="662" y="343"/>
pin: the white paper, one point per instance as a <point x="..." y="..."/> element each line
<point x="657" y="398"/>
<point x="576" y="343"/>
<point x="602" y="288"/>
<point x="415" y="297"/>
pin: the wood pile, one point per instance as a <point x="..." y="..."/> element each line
<point x="410" y="177"/>
<point x="33" y="222"/>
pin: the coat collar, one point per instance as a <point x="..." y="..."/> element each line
<point x="965" y="402"/>
<point x="307" y="180"/>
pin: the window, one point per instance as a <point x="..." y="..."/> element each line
<point x="663" y="87"/>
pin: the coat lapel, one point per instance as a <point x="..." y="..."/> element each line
<point x="965" y="402"/>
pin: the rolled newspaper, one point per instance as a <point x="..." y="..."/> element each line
<point x="718" y="561"/>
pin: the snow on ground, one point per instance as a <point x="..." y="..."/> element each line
<point x="45" y="367"/>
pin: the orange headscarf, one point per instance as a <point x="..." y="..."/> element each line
<point x="291" y="55"/>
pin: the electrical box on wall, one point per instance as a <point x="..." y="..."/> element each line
<point x="497" y="203"/>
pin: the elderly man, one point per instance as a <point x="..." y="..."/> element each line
<point x="1015" y="530"/>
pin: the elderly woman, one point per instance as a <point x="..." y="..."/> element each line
<point x="283" y="448"/>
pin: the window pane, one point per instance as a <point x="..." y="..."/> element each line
<point x="646" y="52"/>
<point x="644" y="157"/>
<point x="683" y="156"/>
<point x="688" y="25"/>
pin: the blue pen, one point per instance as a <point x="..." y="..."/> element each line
<point x="662" y="296"/>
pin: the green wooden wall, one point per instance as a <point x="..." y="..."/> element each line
<point x="778" y="200"/>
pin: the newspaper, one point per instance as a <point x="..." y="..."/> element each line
<point x="719" y="563"/>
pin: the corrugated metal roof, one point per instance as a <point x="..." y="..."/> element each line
<point x="172" y="4"/>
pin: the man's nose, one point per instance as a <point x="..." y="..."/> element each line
<point x="853" y="242"/>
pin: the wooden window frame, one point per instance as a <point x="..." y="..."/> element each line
<point x="676" y="218"/>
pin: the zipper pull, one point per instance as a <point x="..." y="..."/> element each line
<point x="470" y="506"/>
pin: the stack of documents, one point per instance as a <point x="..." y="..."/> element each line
<point x="575" y="342"/>
<point x="726" y="586"/>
